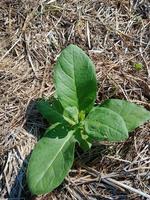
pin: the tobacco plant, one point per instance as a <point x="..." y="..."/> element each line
<point x="74" y="119"/>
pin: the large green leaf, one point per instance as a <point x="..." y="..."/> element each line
<point x="133" y="115"/>
<point x="49" y="111"/>
<point x="75" y="79"/>
<point x="104" y="124"/>
<point x="56" y="104"/>
<point x="51" y="160"/>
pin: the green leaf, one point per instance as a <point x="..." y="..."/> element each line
<point x="51" y="160"/>
<point x="56" y="105"/>
<point x="104" y="124"/>
<point x="138" y="66"/>
<point x="133" y="115"/>
<point x="71" y="115"/>
<point x="75" y="79"/>
<point x="84" y="141"/>
<point x="81" y="116"/>
<point x="49" y="111"/>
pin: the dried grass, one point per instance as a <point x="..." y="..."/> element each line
<point x="116" y="35"/>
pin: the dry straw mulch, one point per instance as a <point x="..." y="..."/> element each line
<point x="116" y="34"/>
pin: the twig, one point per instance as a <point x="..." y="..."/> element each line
<point x="88" y="35"/>
<point x="128" y="187"/>
<point x="119" y="159"/>
<point x="137" y="168"/>
<point x="7" y="52"/>
<point x="112" y="184"/>
<point x="48" y="2"/>
<point x="29" y="17"/>
<point x="147" y="67"/>
<point x="29" y="56"/>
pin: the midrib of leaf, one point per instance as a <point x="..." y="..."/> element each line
<point x="53" y="159"/>
<point x="110" y="127"/>
<point x="75" y="81"/>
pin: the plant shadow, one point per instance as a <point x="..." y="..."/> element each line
<point x="34" y="122"/>
<point x="36" y="126"/>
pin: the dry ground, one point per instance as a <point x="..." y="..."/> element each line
<point x="116" y="34"/>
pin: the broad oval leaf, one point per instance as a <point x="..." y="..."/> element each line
<point x="51" y="160"/>
<point x="104" y="124"/>
<point x="133" y="115"/>
<point x="56" y="104"/>
<point x="49" y="111"/>
<point x="75" y="79"/>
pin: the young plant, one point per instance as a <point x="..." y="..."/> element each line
<point x="74" y="118"/>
